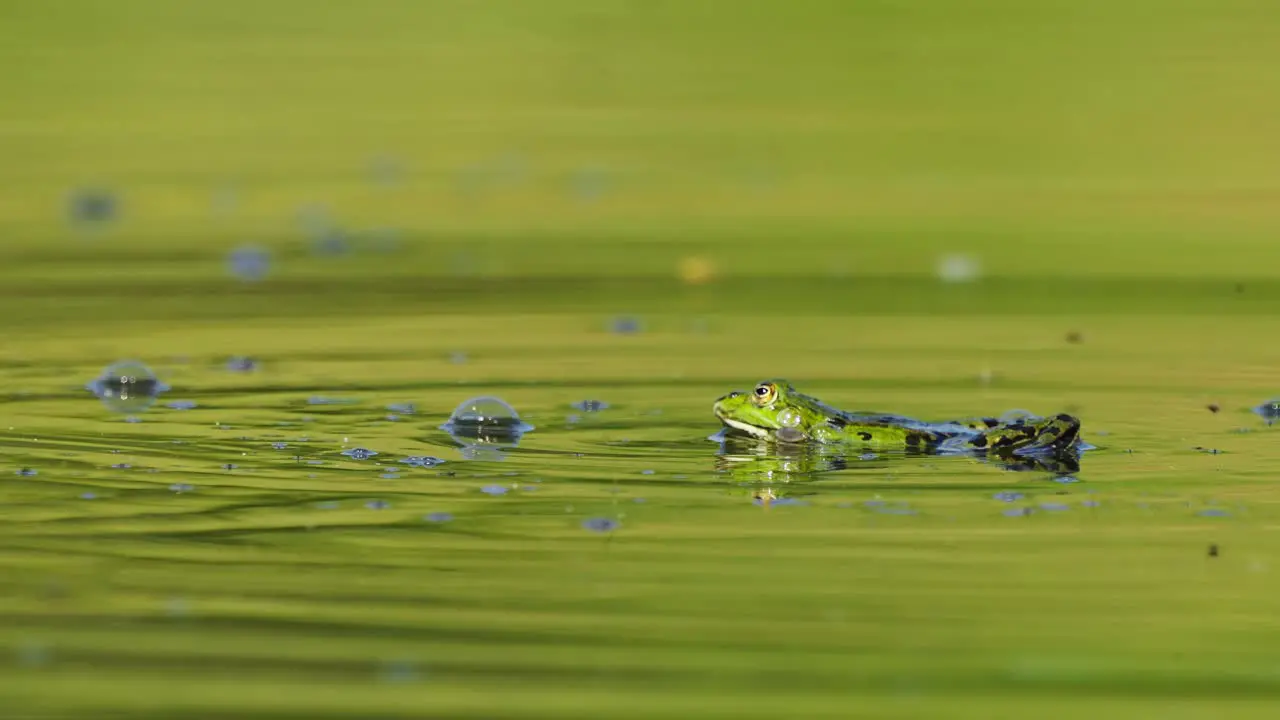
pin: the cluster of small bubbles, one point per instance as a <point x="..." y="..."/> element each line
<point x="182" y="487"/>
<point x="181" y="405"/>
<point x="249" y="263"/>
<point x="958" y="268"/>
<point x="377" y="504"/>
<point x="92" y="207"/>
<point x="438" y="517"/>
<point x="422" y="461"/>
<point x="1008" y="496"/>
<point x="403" y="408"/>
<point x="359" y="453"/>
<point x="1269" y="410"/>
<point x="26" y="472"/>
<point x="590" y="405"/>
<point x="127" y="386"/>
<point x="241" y="363"/>
<point x="625" y="325"/>
<point x="494" y="489"/>
<point x="600" y="524"/>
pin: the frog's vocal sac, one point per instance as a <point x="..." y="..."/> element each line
<point x="774" y="410"/>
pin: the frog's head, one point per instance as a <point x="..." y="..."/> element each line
<point x="772" y="409"/>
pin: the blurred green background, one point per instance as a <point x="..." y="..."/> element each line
<point x="901" y="205"/>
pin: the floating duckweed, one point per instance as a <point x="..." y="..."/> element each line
<point x="359" y="453"/>
<point x="600" y="524"/>
<point x="127" y="386"/>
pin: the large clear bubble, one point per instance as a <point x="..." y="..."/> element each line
<point x="485" y="421"/>
<point x="128" y="386"/>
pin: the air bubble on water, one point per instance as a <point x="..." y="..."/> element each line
<point x="88" y="496"/>
<point x="646" y="472"/>
<point x="181" y="405"/>
<point x="868" y="456"/>
<point x="438" y="517"/>
<point x="958" y="268"/>
<point x="92" y="208"/>
<point x="359" y="453"/>
<point x="486" y="415"/>
<point x="403" y="408"/>
<point x="590" y="405"/>
<point x="25" y="472"/>
<point x="182" y="487"/>
<point x="625" y="325"/>
<point x="279" y="445"/>
<point x="494" y="489"/>
<point x="127" y="386"/>
<point x="1054" y="507"/>
<point x="389" y="475"/>
<point x="1011" y="416"/>
<point x="422" y="461"/>
<point x="1269" y="410"/>
<point x="241" y="363"/>
<point x="377" y="504"/>
<point x="249" y="263"/>
<point x="1008" y="496"/>
<point x="600" y="524"/>
<point x="1066" y="479"/>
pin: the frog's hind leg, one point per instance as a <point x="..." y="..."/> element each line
<point x="1054" y="434"/>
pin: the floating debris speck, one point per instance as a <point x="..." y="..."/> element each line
<point x="377" y="504"/>
<point x="438" y="517"/>
<point x="182" y="487"/>
<point x="590" y="405"/>
<point x="495" y="489"/>
<point x="359" y="453"/>
<point x="1008" y="496"/>
<point x="26" y="472"/>
<point x="422" y="461"/>
<point x="403" y="408"/>
<point x="249" y="263"/>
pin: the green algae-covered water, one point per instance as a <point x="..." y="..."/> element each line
<point x="324" y="228"/>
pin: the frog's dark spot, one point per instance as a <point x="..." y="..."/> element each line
<point x="913" y="439"/>
<point x="837" y="422"/>
<point x="864" y="436"/>
<point x="980" y="441"/>
<point x="990" y="422"/>
<point x="1213" y="550"/>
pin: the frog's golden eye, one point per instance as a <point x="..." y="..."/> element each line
<point x="764" y="393"/>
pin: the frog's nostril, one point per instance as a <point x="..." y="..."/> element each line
<point x="734" y="394"/>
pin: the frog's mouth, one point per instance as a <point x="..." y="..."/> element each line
<point x="744" y="427"/>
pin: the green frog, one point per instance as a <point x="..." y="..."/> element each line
<point x="774" y="410"/>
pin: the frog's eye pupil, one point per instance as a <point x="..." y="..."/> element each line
<point x="762" y="390"/>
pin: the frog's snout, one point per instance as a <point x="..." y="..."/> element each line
<point x="718" y="406"/>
